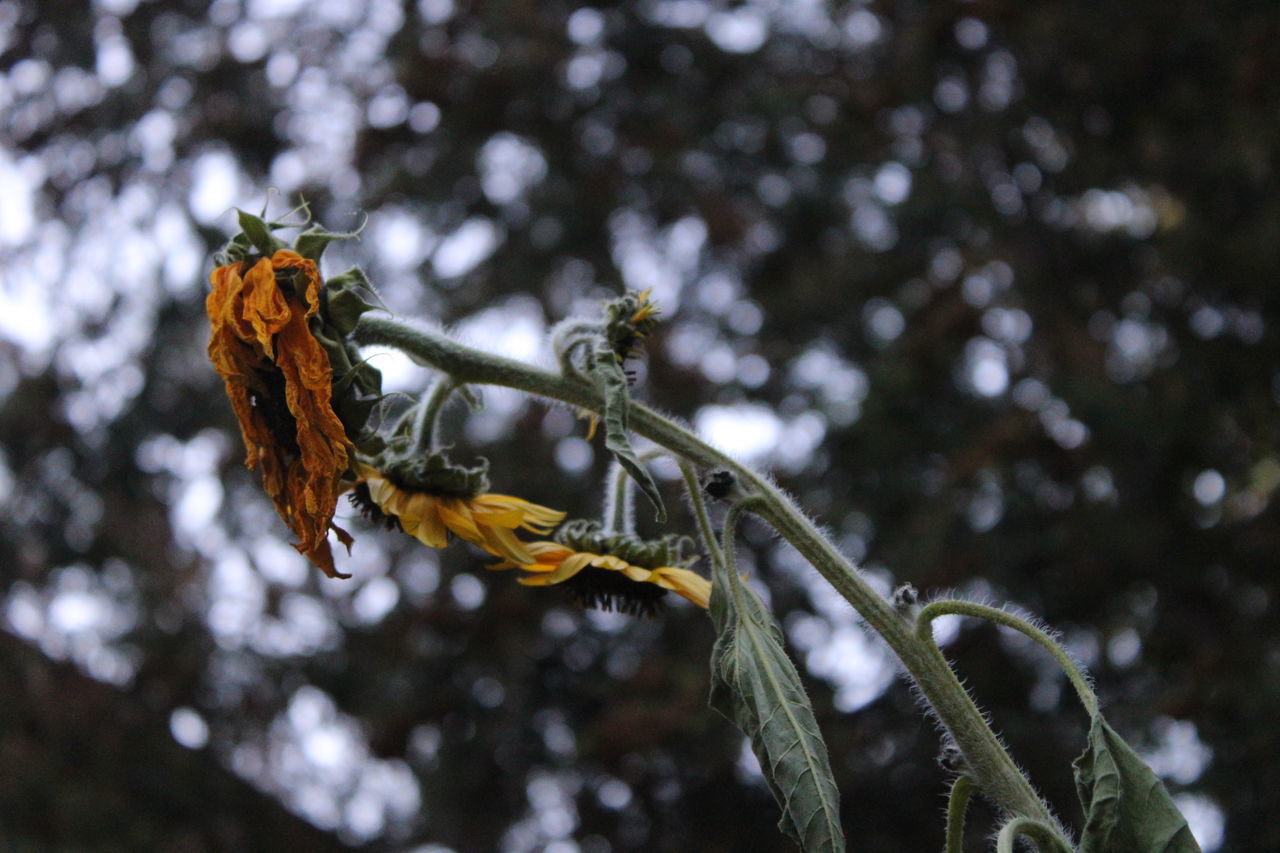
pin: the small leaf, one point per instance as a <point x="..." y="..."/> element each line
<point x="609" y="380"/>
<point x="347" y="297"/>
<point x="1127" y="808"/>
<point x="312" y="242"/>
<point x="755" y="685"/>
<point x="258" y="231"/>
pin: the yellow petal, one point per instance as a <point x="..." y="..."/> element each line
<point x="569" y="567"/>
<point x="431" y="529"/>
<point x="537" y="580"/>
<point x="536" y="518"/>
<point x="608" y="561"/>
<point x="412" y="509"/>
<point x="457" y="517"/>
<point x="548" y="552"/>
<point x="501" y="542"/>
<point x="691" y="585"/>
<point x="540" y="568"/>
<point x="510" y="518"/>
<point x="380" y="490"/>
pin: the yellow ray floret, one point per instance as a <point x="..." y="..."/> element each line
<point x="646" y="310"/>
<point x="487" y="520"/>
<point x="554" y="563"/>
<point x="279" y="381"/>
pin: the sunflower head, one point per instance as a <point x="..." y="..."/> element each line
<point x="433" y="500"/>
<point x="285" y="362"/>
<point x="612" y="571"/>
<point x="339" y="302"/>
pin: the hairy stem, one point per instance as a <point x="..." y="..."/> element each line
<point x="957" y="805"/>
<point x="1043" y="837"/>
<point x="1077" y="678"/>
<point x="426" y="429"/>
<point x="699" y="506"/>
<point x="993" y="771"/>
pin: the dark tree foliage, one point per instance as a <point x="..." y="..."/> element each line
<point x="1004" y="273"/>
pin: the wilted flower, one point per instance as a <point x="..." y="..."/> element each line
<point x="611" y="571"/>
<point x="429" y="499"/>
<point x="279" y="380"/>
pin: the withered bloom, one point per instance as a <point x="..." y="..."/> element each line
<point x="279" y="379"/>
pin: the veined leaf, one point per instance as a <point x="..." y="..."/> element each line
<point x="609" y="380"/>
<point x="756" y="686"/>
<point x="1127" y="808"/>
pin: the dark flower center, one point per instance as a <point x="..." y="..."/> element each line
<point x="603" y="589"/>
<point x="273" y="406"/>
<point x="363" y="501"/>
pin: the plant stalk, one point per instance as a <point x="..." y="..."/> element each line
<point x="988" y="763"/>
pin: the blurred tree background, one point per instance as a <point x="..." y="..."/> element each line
<point x="991" y="286"/>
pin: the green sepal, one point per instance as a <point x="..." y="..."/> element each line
<point x="258" y="232"/>
<point x="755" y="685"/>
<point x="606" y="374"/>
<point x="349" y="295"/>
<point x="312" y="242"/>
<point x="432" y="473"/>
<point x="1127" y="808"/>
<point x="588" y="536"/>
<point x="254" y="238"/>
<point x="357" y="384"/>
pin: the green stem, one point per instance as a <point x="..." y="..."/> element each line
<point x="957" y="805"/>
<point x="1078" y="680"/>
<point x="426" y="425"/>
<point x="1045" y="838"/>
<point x="731" y="528"/>
<point x="700" y="515"/>
<point x="993" y="771"/>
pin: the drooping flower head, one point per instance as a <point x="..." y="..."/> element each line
<point x="431" y="499"/>
<point x="280" y="384"/>
<point x="612" y="571"/>
<point x="273" y="345"/>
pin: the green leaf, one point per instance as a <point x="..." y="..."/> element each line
<point x="1127" y="808"/>
<point x="609" y="380"/>
<point x="755" y="685"/>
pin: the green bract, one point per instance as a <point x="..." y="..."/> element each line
<point x="591" y="537"/>
<point x="431" y="472"/>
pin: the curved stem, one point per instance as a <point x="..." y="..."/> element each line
<point x="426" y="426"/>
<point x="1078" y="679"/>
<point x="957" y="805"/>
<point x="994" y="772"/>
<point x="1043" y="837"/>
<point x="700" y="515"/>
<point x="731" y="529"/>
